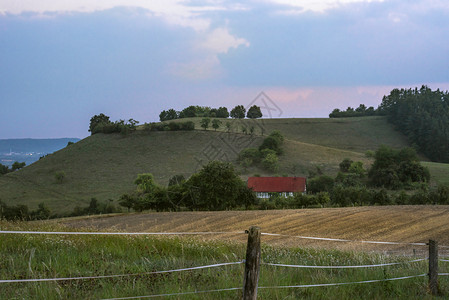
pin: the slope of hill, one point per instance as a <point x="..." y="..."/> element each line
<point x="105" y="166"/>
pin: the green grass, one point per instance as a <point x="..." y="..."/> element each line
<point x="40" y="256"/>
<point x="439" y="172"/>
<point x="105" y="166"/>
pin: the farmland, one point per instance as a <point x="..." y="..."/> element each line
<point x="384" y="223"/>
<point x="58" y="256"/>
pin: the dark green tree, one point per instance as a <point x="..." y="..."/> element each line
<point x="217" y="187"/>
<point x="127" y="200"/>
<point x="216" y="123"/>
<point x="254" y="112"/>
<point x="205" y="123"/>
<point x="97" y="122"/>
<point x="238" y="112"/>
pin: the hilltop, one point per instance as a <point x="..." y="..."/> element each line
<point x="104" y="166"/>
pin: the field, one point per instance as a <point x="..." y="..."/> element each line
<point x="54" y="256"/>
<point x="378" y="223"/>
<point x="105" y="166"/>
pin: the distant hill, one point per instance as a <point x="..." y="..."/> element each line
<point x="104" y="166"/>
<point x="29" y="150"/>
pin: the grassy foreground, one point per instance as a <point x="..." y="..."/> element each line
<point x="40" y="256"/>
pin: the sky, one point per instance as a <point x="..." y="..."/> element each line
<point x="62" y="62"/>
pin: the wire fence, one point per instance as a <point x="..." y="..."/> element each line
<point x="10" y="281"/>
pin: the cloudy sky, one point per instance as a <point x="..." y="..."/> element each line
<point x="61" y="62"/>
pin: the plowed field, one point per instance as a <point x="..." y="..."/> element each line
<point x="404" y="224"/>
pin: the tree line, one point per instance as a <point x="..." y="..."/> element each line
<point x="361" y="111"/>
<point x="423" y="116"/>
<point x="15" y="166"/>
<point x="192" y="111"/>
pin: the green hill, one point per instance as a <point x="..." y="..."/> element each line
<point x="105" y="166"/>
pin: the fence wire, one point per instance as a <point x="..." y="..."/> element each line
<point x="121" y="275"/>
<point x="343" y="267"/>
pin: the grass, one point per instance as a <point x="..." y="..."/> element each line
<point x="40" y="256"/>
<point x="105" y="166"/>
<point x="439" y="172"/>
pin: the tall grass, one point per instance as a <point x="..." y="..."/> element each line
<point x="50" y="256"/>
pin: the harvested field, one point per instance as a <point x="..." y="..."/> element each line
<point x="405" y="224"/>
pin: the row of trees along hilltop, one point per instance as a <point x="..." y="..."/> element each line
<point x="420" y="114"/>
<point x="238" y="112"/>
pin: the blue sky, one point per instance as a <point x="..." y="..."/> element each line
<point x="61" y="62"/>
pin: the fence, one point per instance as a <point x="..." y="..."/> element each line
<point x="253" y="263"/>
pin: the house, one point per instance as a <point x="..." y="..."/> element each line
<point x="285" y="186"/>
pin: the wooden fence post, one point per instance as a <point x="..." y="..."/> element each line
<point x="433" y="267"/>
<point x="252" y="264"/>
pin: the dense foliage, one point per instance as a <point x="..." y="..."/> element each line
<point x="423" y="116"/>
<point x="361" y="111"/>
<point x="194" y="111"/>
<point x="15" y="166"/>
<point x="254" y="112"/>
<point x="266" y="155"/>
<point x="101" y="124"/>
<point x="215" y="187"/>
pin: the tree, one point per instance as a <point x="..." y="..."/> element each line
<point x="98" y="121"/>
<point x="319" y="184"/>
<point x="222" y="112"/>
<point x="170" y="114"/>
<point x="145" y="182"/>
<point x="254" y="112"/>
<point x="205" y="123"/>
<point x="16" y="166"/>
<point x="270" y="161"/>
<point x="345" y="165"/>
<point x="238" y="112"/>
<point x="188" y="112"/>
<point x="228" y="126"/>
<point x="216" y="124"/>
<point x="4" y="169"/>
<point x="217" y="187"/>
<point x="127" y="201"/>
<point x="397" y="168"/>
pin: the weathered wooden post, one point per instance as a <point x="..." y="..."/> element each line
<point x="252" y="264"/>
<point x="433" y="267"/>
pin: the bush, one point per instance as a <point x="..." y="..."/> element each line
<point x="60" y="176"/>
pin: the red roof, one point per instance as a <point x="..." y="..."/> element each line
<point x="277" y="184"/>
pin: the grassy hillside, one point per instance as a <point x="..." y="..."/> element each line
<point x="105" y="166"/>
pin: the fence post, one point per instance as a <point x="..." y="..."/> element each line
<point x="433" y="267"/>
<point x="252" y="264"/>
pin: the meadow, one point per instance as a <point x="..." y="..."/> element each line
<point x="24" y="256"/>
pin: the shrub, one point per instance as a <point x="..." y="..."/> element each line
<point x="60" y="176"/>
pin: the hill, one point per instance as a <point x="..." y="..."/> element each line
<point x="105" y="166"/>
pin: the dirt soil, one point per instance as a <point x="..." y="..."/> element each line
<point x="405" y="224"/>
